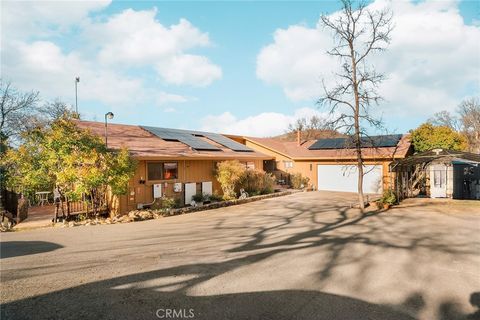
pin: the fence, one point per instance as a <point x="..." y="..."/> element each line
<point x="10" y="200"/>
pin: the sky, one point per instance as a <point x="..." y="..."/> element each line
<point x="240" y="67"/>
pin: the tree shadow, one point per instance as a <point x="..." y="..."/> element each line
<point x="10" y="249"/>
<point x="335" y="230"/>
<point x="143" y="295"/>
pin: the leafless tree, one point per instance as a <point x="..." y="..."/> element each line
<point x="313" y="127"/>
<point x="358" y="32"/>
<point x="466" y="120"/>
<point x="445" y="118"/>
<point x="16" y="109"/>
<point x="469" y="115"/>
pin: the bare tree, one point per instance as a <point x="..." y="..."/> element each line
<point x="358" y="32"/>
<point x="16" y="110"/>
<point x="314" y="127"/>
<point x="445" y="118"/>
<point x="466" y="120"/>
<point x="469" y="115"/>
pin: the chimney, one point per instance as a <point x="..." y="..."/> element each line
<point x="299" y="137"/>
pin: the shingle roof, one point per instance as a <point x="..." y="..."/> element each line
<point x="302" y="151"/>
<point x="143" y="144"/>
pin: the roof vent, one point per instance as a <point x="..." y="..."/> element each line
<point x="437" y="151"/>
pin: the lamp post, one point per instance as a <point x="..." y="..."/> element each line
<point x="77" y="80"/>
<point x="108" y="115"/>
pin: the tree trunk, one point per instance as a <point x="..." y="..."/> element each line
<point x="358" y="142"/>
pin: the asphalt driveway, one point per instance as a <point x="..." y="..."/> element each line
<point x="303" y="256"/>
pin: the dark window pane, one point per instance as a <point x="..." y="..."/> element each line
<point x="170" y="170"/>
<point x="154" y="170"/>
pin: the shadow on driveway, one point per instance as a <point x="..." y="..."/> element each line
<point x="10" y="249"/>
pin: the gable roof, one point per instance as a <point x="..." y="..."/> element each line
<point x="143" y="144"/>
<point x="305" y="152"/>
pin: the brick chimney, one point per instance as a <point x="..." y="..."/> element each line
<point x="299" y="137"/>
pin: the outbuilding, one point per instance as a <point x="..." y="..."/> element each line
<point x="438" y="173"/>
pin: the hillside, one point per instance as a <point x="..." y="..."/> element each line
<point x="309" y="135"/>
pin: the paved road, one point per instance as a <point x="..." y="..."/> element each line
<point x="303" y="256"/>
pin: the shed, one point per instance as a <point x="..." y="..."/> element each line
<point x="438" y="173"/>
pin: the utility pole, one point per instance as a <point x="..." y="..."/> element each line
<point x="77" y="80"/>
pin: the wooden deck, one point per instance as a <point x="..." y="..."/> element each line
<point x="38" y="216"/>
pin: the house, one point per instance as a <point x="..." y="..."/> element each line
<point x="171" y="162"/>
<point x="330" y="163"/>
<point x="439" y="173"/>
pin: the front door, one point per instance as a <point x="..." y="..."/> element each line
<point x="438" y="185"/>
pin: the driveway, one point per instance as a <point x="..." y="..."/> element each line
<point x="302" y="256"/>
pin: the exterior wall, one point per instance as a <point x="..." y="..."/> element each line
<point x="308" y="168"/>
<point x="140" y="189"/>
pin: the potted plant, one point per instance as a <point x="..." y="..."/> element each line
<point x="387" y="200"/>
<point x="198" y="198"/>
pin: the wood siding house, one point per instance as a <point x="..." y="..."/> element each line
<point x="330" y="168"/>
<point x="170" y="164"/>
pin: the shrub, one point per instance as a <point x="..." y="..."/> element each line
<point x="170" y="203"/>
<point x="228" y="175"/>
<point x="215" y="197"/>
<point x="297" y="181"/>
<point x="388" y="197"/>
<point x="199" y="197"/>
<point x="256" y="182"/>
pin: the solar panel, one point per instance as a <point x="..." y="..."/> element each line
<point x="366" y="142"/>
<point x="227" y="142"/>
<point x="183" y="136"/>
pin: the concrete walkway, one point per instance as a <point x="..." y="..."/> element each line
<point x="303" y="256"/>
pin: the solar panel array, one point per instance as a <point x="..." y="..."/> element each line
<point x="192" y="139"/>
<point x="226" y="142"/>
<point x="366" y="142"/>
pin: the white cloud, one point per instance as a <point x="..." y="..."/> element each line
<point x="107" y="54"/>
<point x="265" y="124"/>
<point x="136" y="38"/>
<point x="430" y="64"/>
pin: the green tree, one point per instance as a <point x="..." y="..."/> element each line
<point x="74" y="160"/>
<point x="428" y="136"/>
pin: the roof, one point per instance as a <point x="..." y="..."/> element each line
<point x="143" y="144"/>
<point x="437" y="155"/>
<point x="303" y="152"/>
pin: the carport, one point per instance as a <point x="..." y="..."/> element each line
<point x="438" y="173"/>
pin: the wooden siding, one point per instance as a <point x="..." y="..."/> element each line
<point x="188" y="171"/>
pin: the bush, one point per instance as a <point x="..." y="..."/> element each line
<point x="256" y="182"/>
<point x="215" y="197"/>
<point x="169" y="203"/>
<point x="297" y="181"/>
<point x="199" y="197"/>
<point x="388" y="197"/>
<point x="228" y="174"/>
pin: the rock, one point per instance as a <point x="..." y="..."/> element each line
<point x="72" y="224"/>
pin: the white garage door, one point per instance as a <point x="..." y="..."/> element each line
<point x="344" y="178"/>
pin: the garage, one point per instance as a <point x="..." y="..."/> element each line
<point x="345" y="178"/>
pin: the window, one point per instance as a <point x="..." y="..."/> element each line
<point x="170" y="170"/>
<point x="162" y="170"/>
<point x="154" y="170"/>
<point x="288" y="164"/>
<point x="249" y="165"/>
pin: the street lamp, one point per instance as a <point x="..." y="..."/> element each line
<point x="77" y="80"/>
<point x="108" y="115"/>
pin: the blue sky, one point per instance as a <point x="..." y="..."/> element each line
<point x="259" y="63"/>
